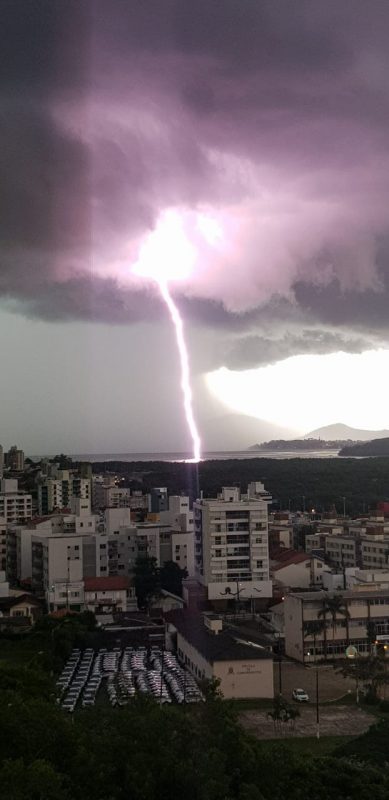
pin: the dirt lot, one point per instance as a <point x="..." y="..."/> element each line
<point x="332" y="685"/>
<point x="334" y="721"/>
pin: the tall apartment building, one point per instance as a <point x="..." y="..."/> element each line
<point x="3" y="545"/>
<point x="15" y="505"/>
<point x="57" y="490"/>
<point x="180" y="518"/>
<point x="14" y="459"/>
<point x="60" y="562"/>
<point x="1" y="461"/>
<point x="232" y="543"/>
<point x="19" y="537"/>
<point x="158" y="500"/>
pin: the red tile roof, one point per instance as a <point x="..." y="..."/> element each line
<point x="104" y="584"/>
<point x="288" y="557"/>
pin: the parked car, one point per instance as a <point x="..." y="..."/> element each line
<point x="300" y="695"/>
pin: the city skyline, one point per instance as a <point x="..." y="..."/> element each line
<point x="263" y="136"/>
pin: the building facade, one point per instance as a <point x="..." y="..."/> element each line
<point x="232" y="544"/>
<point x="338" y="625"/>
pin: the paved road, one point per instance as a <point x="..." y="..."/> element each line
<point x="332" y="685"/>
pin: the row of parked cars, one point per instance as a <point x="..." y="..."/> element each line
<point x="123" y="673"/>
<point x="74" y="681"/>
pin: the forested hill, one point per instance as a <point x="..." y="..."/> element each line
<point x="290" y="445"/>
<point x="377" y="447"/>
<point x="323" y="482"/>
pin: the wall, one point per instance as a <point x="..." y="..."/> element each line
<point x="245" y="678"/>
<point x="293" y="627"/>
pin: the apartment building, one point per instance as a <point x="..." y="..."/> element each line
<point x="15" y="505"/>
<point x="158" y="500"/>
<point x="14" y="459"/>
<point x="359" y="608"/>
<point x="232" y="545"/>
<point x="180" y="518"/>
<point x="3" y="545"/>
<point x="342" y="550"/>
<point x="56" y="491"/>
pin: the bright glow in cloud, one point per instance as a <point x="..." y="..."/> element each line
<point x="309" y="391"/>
<point x="166" y="254"/>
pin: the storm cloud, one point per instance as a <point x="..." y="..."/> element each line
<point x="271" y="119"/>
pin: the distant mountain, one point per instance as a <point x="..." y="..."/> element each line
<point x="377" y="447"/>
<point x="340" y="431"/>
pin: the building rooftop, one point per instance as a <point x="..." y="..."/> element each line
<point x="287" y="557"/>
<point x="214" y="647"/>
<point x="10" y="602"/>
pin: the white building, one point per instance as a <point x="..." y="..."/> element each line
<point x="55" y="492"/>
<point x="180" y="518"/>
<point x="107" y="595"/>
<point x="294" y="570"/>
<point x="3" y="545"/>
<point x="232" y="544"/>
<point x="15" y="505"/>
<point x="209" y="651"/>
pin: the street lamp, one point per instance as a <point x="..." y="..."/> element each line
<point x="279" y="659"/>
<point x="317" y="704"/>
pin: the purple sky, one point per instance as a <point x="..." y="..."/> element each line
<point x="271" y="117"/>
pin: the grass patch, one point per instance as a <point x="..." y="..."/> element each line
<point x="309" y="745"/>
<point x="23" y="649"/>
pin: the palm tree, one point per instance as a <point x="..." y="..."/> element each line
<point x="336" y="605"/>
<point x="333" y="606"/>
<point x="312" y="628"/>
<point x="322" y="615"/>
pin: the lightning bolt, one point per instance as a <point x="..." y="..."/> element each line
<point x="185" y="370"/>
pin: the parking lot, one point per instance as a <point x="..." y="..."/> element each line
<point x="332" y="684"/>
<point x="122" y="674"/>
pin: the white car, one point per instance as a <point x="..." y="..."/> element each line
<point x="300" y="695"/>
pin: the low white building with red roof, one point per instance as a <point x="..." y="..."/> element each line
<point x="296" y="570"/>
<point x="109" y="594"/>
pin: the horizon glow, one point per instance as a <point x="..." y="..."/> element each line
<point x="167" y="254"/>
<point x="306" y="392"/>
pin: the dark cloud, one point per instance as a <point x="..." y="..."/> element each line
<point x="113" y="112"/>
<point x="254" y="351"/>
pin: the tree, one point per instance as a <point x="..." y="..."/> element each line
<point x="371" y="632"/>
<point x="283" y="714"/>
<point x="312" y="628"/>
<point x="146" y="580"/>
<point x="333" y="606"/>
<point x="171" y="577"/>
<point x="368" y="670"/>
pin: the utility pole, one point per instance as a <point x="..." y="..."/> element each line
<point x="303" y="504"/>
<point x="344" y="507"/>
<point x="317" y="704"/>
<point x="67" y="585"/>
